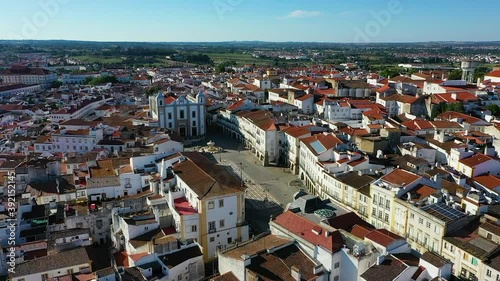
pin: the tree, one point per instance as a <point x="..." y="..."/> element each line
<point x="220" y="68"/>
<point x="100" y="80"/>
<point x="455" y="75"/>
<point x="456" y="106"/>
<point x="495" y="109"/>
<point x="391" y="72"/>
<point x="56" y="84"/>
<point x="153" y="90"/>
<point x="480" y="72"/>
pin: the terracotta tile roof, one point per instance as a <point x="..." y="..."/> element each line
<point x="305" y="97"/>
<point x="383" y="237"/>
<point x="106" y="167"/>
<point x="236" y="105"/>
<point x="400" y="177"/>
<point x="302" y="227"/>
<point x="422" y="191"/>
<point x="277" y="265"/>
<point x="455" y="97"/>
<point x="495" y="73"/>
<point x="476" y="159"/>
<point x="388" y="270"/>
<point x="206" y="178"/>
<point x="489" y="181"/>
<point x="361" y="231"/>
<point x="451" y="115"/>
<point x="328" y="141"/>
<point x="229" y="276"/>
<point x="170" y="99"/>
<point x="326" y="92"/>
<point x="348" y="221"/>
<point x="257" y="246"/>
<point x="383" y="89"/>
<point x="79" y="132"/>
<point x="417" y="124"/>
<point x="357" y="162"/>
<point x="445" y="124"/>
<point x="354" y="132"/>
<point x="297" y="131"/>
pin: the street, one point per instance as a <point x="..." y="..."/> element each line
<point x="269" y="189"/>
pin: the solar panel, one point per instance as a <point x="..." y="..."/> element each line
<point x="443" y="211"/>
<point x="318" y="147"/>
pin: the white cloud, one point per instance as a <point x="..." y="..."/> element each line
<point x="301" y="14"/>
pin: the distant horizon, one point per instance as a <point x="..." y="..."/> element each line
<point x="196" y="21"/>
<point x="259" y="41"/>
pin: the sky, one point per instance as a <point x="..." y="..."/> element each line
<point x="344" y="21"/>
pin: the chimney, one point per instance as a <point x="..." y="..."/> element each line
<point x="461" y="180"/>
<point x="380" y="259"/>
<point x="296" y="273"/>
<point x="246" y="260"/>
<point x="57" y="185"/>
<point x="318" y="269"/>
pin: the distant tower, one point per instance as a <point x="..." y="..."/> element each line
<point x="468" y="68"/>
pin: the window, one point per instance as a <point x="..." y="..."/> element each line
<point x="474" y="261"/>
<point x="229" y="240"/>
<point x="181" y="114"/>
<point x="180" y="277"/>
<point x="488" y="272"/>
<point x="489" y="236"/>
<point x="336" y="278"/>
<point x="386" y="217"/>
<point x="211" y="204"/>
<point x="170" y="124"/>
<point x="193" y="114"/>
<point x="428" y="224"/>
<point x="194" y="123"/>
<point x="387" y="204"/>
<point x="421" y="221"/>
<point x="212" y="239"/>
<point x="380" y="214"/>
<point x="221" y="203"/>
<point x="169" y="115"/>
<point x="374" y="212"/>
<point x="211" y="226"/>
<point x="374" y="199"/>
<point x="221" y="223"/>
<point x="337" y="265"/>
<point x="193" y="228"/>
<point x="412" y="216"/>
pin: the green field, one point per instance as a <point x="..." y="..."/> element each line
<point x="241" y="59"/>
<point x="97" y="59"/>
